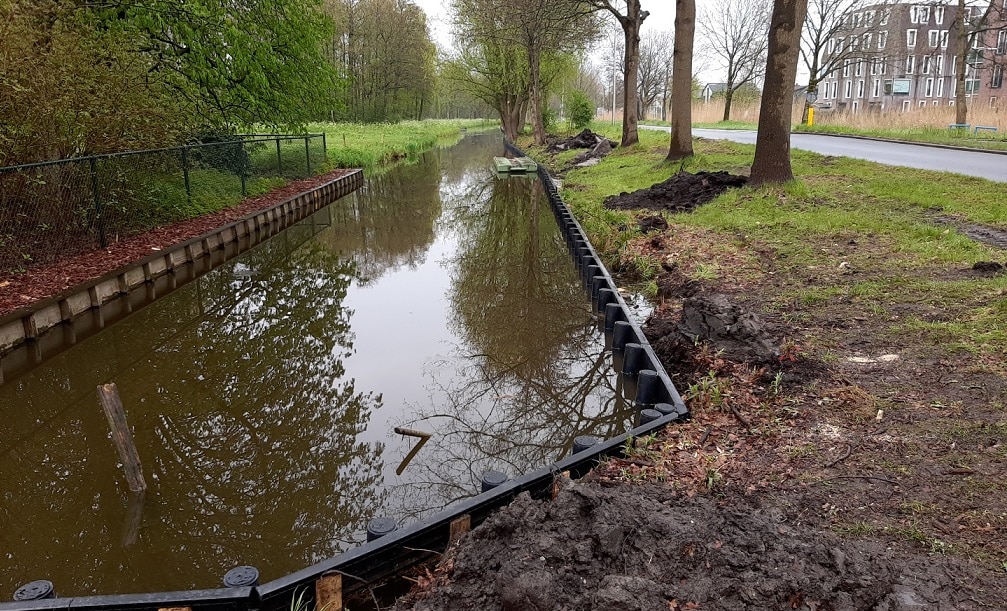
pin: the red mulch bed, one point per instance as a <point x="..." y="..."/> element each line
<point x="21" y="290"/>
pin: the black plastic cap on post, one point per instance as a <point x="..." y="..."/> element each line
<point x="665" y="408"/>
<point x="35" y="590"/>
<point x="583" y="442"/>
<point x="648" y="388"/>
<point x="613" y="314"/>
<point x="492" y="479"/>
<point x="242" y="577"/>
<point x="605" y="297"/>
<point x="634" y="360"/>
<point x="379" y="527"/>
<point x="649" y="415"/>
<point x="622" y="334"/>
<point x="597" y="283"/>
<point x="592" y="271"/>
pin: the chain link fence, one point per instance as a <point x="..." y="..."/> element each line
<point x="55" y="209"/>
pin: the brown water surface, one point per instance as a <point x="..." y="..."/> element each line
<point x="263" y="395"/>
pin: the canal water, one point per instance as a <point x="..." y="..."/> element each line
<point x="263" y="396"/>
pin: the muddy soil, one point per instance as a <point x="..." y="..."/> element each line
<point x="643" y="547"/>
<point x="680" y="193"/>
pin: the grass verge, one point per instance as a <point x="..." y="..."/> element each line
<point x="892" y="380"/>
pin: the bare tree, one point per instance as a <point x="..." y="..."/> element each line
<point x="825" y="25"/>
<point x="681" y="85"/>
<point x="972" y="22"/>
<point x="655" y="70"/>
<point x="734" y="31"/>
<point x="548" y="27"/>
<point x="772" y="145"/>
<point x="631" y="18"/>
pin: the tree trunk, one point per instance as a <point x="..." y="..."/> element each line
<point x="728" y="98"/>
<point x="631" y="28"/>
<point x="535" y="91"/>
<point x="772" y="145"/>
<point x="961" y="103"/>
<point x="510" y="119"/>
<point x="681" y="83"/>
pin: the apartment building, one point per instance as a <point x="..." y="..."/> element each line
<point x="904" y="56"/>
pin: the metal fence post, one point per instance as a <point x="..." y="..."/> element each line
<point x="97" y="203"/>
<point x="307" y="154"/>
<point x="185" y="174"/>
<point x="325" y="148"/>
<point x="279" y="157"/>
<point x="241" y="164"/>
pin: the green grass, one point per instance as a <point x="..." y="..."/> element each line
<point x="360" y="145"/>
<point x="879" y="220"/>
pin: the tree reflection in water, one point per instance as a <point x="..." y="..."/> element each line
<point x="530" y="372"/>
<point x="246" y="424"/>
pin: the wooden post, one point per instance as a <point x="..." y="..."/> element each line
<point x="108" y="396"/>
<point x="329" y="592"/>
<point x="459" y="526"/>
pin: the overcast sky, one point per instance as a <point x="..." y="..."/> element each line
<point x="662" y="17"/>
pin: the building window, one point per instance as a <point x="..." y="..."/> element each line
<point x="867" y="40"/>
<point x="940" y="87"/>
<point x="856" y="107"/>
<point x="874" y="66"/>
<point x="888" y="86"/>
<point x="910" y="38"/>
<point x="954" y="64"/>
<point x="998" y="77"/>
<point x="919" y="14"/>
<point x="905" y="105"/>
<point x="939" y="67"/>
<point x="846" y="67"/>
<point x="910" y="64"/>
<point x="925" y="65"/>
<point x="1001" y="42"/>
<point x="859" y="71"/>
<point x="849" y="89"/>
<point x="876" y="88"/>
<point x="882" y="39"/>
<point x="933" y="37"/>
<point x="856" y="20"/>
<point x="993" y="102"/>
<point x="860" y="88"/>
<point x="928" y="91"/>
<point x="922" y="103"/>
<point x="885" y="14"/>
<point x="939" y="14"/>
<point x="944" y="39"/>
<point x="971" y="86"/>
<point x="951" y="103"/>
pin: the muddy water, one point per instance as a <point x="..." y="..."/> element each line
<point x="263" y="395"/>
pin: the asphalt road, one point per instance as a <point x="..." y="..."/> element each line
<point x="970" y="163"/>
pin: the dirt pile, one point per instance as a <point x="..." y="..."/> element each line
<point x="680" y="193"/>
<point x="586" y="139"/>
<point x="636" y="548"/>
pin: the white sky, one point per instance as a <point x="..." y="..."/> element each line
<point x="662" y="17"/>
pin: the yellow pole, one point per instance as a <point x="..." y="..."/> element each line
<point x="811" y="116"/>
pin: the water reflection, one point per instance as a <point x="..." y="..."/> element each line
<point x="528" y="371"/>
<point x="240" y="404"/>
<point x="264" y="395"/>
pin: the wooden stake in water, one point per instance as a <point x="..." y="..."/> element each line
<point x="108" y="396"/>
